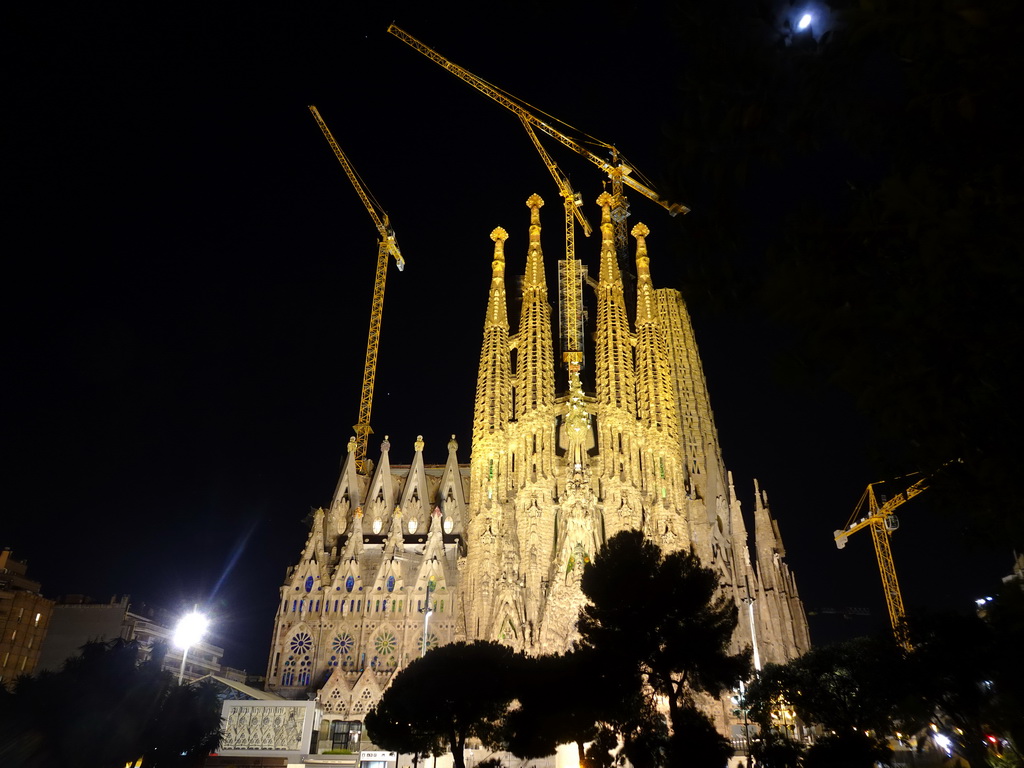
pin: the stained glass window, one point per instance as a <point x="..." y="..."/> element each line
<point x="302" y="642"/>
<point x="386" y="643"/>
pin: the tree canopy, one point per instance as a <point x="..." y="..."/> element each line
<point x="859" y="185"/>
<point x="576" y="698"/>
<point x="963" y="674"/>
<point x="659" y="621"/>
<point x="454" y="692"/>
<point x="112" y="711"/>
<point x="857" y="685"/>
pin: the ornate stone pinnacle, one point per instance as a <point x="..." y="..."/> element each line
<point x="452" y="445"/>
<point x="499" y="234"/>
<point x="604" y="199"/>
<point x="534" y="201"/>
<point x="640" y="230"/>
<point x="351" y="445"/>
<point x="418" y="445"/>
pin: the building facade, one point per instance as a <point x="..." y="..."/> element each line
<point x="24" y="619"/>
<point x="564" y="455"/>
<point x="78" y="620"/>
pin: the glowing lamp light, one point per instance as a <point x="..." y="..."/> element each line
<point x="189" y="632"/>
<point x="805" y="22"/>
<point x="944" y="742"/>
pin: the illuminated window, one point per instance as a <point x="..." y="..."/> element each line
<point x="345" y="735"/>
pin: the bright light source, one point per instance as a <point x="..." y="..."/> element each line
<point x="190" y="630"/>
<point x="944" y="742"/>
<point x="805" y="21"/>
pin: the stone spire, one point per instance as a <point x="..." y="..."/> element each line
<point x="535" y="377"/>
<point x="493" y="407"/>
<point x="494" y="382"/>
<point x="613" y="357"/>
<point x="656" y="402"/>
<point x="701" y="452"/>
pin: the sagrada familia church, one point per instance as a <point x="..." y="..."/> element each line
<point x="410" y="556"/>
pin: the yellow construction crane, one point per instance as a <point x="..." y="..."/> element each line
<point x="569" y="320"/>
<point x="617" y="171"/>
<point x="879" y="517"/>
<point x="386" y="246"/>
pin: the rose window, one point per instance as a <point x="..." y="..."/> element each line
<point x="386" y="643"/>
<point x="302" y="642"/>
<point x="343" y="644"/>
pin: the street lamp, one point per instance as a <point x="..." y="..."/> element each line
<point x="190" y="630"/>
<point x="428" y="611"/>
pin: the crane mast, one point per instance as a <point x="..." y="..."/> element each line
<point x="386" y="246"/>
<point x="879" y="517"/>
<point x="570" y="317"/>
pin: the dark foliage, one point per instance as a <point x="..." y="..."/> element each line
<point x="111" y="711"/>
<point x="963" y="674"/>
<point x="859" y="183"/>
<point x="696" y="742"/>
<point x="966" y="674"/>
<point x="861" y="684"/>
<point x="777" y="750"/>
<point x="658" y="620"/>
<point x="1006" y="618"/>
<point x="851" y="749"/>
<point x="454" y="692"/>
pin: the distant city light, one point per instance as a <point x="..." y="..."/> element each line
<point x="805" y="21"/>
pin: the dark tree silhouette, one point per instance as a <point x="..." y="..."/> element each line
<point x="963" y="668"/>
<point x="659" y="620"/>
<point x="849" y="688"/>
<point x="112" y="711"/>
<point x="861" y="684"/>
<point x="575" y="698"/>
<point x="453" y="693"/>
<point x="859" y="184"/>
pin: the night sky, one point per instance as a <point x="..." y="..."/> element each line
<point x="189" y="275"/>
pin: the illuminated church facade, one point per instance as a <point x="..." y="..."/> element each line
<point x="411" y="556"/>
